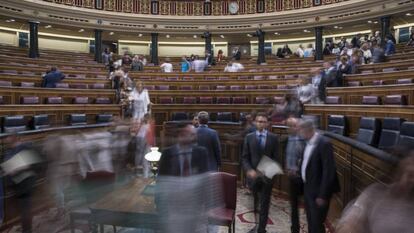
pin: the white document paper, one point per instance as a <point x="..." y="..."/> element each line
<point x="268" y="167"/>
<point x="20" y="161"/>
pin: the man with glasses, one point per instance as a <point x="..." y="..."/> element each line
<point x="256" y="145"/>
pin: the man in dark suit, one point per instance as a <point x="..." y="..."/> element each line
<point x="318" y="172"/>
<point x="52" y="77"/>
<point x="256" y="145"/>
<point x="237" y="54"/>
<point x="185" y="158"/>
<point x="208" y="138"/>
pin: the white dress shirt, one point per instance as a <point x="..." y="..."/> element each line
<point x="167" y="67"/>
<point x="310" y="145"/>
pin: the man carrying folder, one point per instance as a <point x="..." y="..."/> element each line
<point x="257" y="145"/>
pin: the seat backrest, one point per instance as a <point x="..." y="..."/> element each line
<point x="206" y="100"/>
<point x="395" y="100"/>
<point x="221" y="88"/>
<point x="79" y="86"/>
<point x="390" y="132"/>
<point x="377" y="82"/>
<point x="40" y="121"/>
<point x="337" y="124"/>
<point x="77" y="119"/>
<point x="27" y="84"/>
<point x="5" y="83"/>
<point x="239" y="100"/>
<point x="29" y="100"/>
<point x="235" y="87"/>
<point x="369" y="128"/>
<point x="227" y="188"/>
<point x="62" y="85"/>
<point x="278" y="99"/>
<point x="405" y="81"/>
<point x="54" y="100"/>
<point x="264" y="87"/>
<point x="250" y="87"/>
<point x="223" y="100"/>
<point x="179" y="116"/>
<point x="282" y="87"/>
<point x="187" y="88"/>
<point x="243" y="77"/>
<point x="103" y="100"/>
<point x="203" y="87"/>
<point x="262" y="100"/>
<point x="81" y="100"/>
<point x="354" y="83"/>
<point x="224" y="116"/>
<point x="333" y="100"/>
<point x="98" y="86"/>
<point x="389" y="69"/>
<point x="1" y="100"/>
<point x="163" y="87"/>
<point x="103" y="118"/>
<point x="13" y="124"/>
<point x="406" y="134"/>
<point x="149" y="87"/>
<point x="190" y="100"/>
<point x="372" y="100"/>
<point x="166" y="100"/>
<point x="258" y="77"/>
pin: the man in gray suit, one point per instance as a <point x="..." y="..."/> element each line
<point x="256" y="145"/>
<point x="208" y="138"/>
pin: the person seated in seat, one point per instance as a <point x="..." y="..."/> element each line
<point x="233" y="66"/>
<point x="52" y="77"/>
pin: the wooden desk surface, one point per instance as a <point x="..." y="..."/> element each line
<point x="128" y="199"/>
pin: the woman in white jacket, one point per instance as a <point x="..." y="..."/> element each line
<point x="141" y="101"/>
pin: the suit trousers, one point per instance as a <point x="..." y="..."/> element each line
<point x="262" y="191"/>
<point x="295" y="191"/>
<point x="315" y="214"/>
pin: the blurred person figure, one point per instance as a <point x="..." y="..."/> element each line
<point x="327" y="50"/>
<point x="384" y="208"/>
<point x="140" y="101"/>
<point x="126" y="60"/>
<point x="255" y="146"/>
<point x="318" y="172"/>
<point x="336" y="50"/>
<point x="279" y="53"/>
<point x="233" y="66"/>
<point x="236" y="54"/>
<point x="378" y="54"/>
<point x="309" y="51"/>
<point x="185" y="65"/>
<point x="117" y="77"/>
<point x="182" y="185"/>
<point x="356" y="41"/>
<point x="140" y="143"/>
<point x="199" y="65"/>
<point x="411" y="39"/>
<point x="286" y="51"/>
<point x="377" y="37"/>
<point x="167" y="67"/>
<point x="209" y="58"/>
<point x="22" y="177"/>
<point x="366" y="51"/>
<point x="143" y="60"/>
<point x="319" y="84"/>
<point x="343" y="43"/>
<point x="209" y="139"/>
<point x="220" y="55"/>
<point x="299" y="51"/>
<point x="195" y="122"/>
<point x="389" y="46"/>
<point x="294" y="151"/>
<point x="137" y="64"/>
<point x="106" y="57"/>
<point x="330" y="75"/>
<point x="52" y="77"/>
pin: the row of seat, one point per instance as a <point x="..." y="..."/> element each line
<point x="379" y="82"/>
<point x="219" y="116"/>
<point x="394" y="131"/>
<point x="14" y="124"/>
<point x="59" y="100"/>
<point x="222" y="87"/>
<point x="220" y="100"/>
<point x="59" y="85"/>
<point x="373" y="100"/>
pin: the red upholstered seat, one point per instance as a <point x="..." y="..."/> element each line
<point x="145" y="77"/>
<point x="243" y="77"/>
<point x="374" y="100"/>
<point x="204" y="87"/>
<point x="149" y="87"/>
<point x="62" y="85"/>
<point x="392" y="69"/>
<point x="103" y="100"/>
<point x="221" y="88"/>
<point x="290" y="76"/>
<point x="13" y="72"/>
<point x="395" y="100"/>
<point x="273" y="77"/>
<point x="250" y="87"/>
<point x="206" y="100"/>
<point x="187" y="88"/>
<point x="235" y="87"/>
<point x="224" y="78"/>
<point x="81" y="100"/>
<point x="224" y="216"/>
<point x="1" y="100"/>
<point x="98" y="86"/>
<point x="258" y="77"/>
<point x="282" y="87"/>
<point x="405" y="81"/>
<point x="264" y="87"/>
<point x="160" y="78"/>
<point x="261" y="100"/>
<point x="163" y="87"/>
<point x="166" y="100"/>
<point x="210" y="78"/>
<point x="79" y="86"/>
<point x="333" y="100"/>
<point x="190" y="100"/>
<point x="354" y="84"/>
<point x="5" y="83"/>
<point x="367" y="72"/>
<point x="377" y="82"/>
<point x="54" y="100"/>
<point x="303" y="76"/>
<point x="27" y="84"/>
<point x="223" y="100"/>
<point x="172" y="78"/>
<point x="29" y="100"/>
<point x="239" y="100"/>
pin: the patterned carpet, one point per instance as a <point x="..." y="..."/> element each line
<point x="279" y="219"/>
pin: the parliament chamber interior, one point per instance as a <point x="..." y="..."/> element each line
<point x="213" y="116"/>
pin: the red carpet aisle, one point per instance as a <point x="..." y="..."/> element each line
<point x="279" y="219"/>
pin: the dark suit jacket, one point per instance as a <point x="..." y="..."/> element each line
<point x="237" y="55"/>
<point x="50" y="79"/>
<point x="321" y="178"/>
<point x="169" y="164"/>
<point x="208" y="138"/>
<point x="322" y="88"/>
<point x="251" y="155"/>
